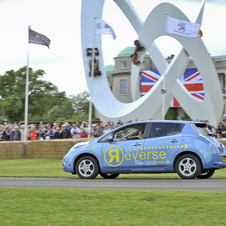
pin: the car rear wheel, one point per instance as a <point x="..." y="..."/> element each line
<point x="87" y="167"/>
<point x="109" y="175"/>
<point x="206" y="175"/>
<point x="188" y="166"/>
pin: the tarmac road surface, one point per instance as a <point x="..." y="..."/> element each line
<point x="138" y="184"/>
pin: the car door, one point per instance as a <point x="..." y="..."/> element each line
<point x="122" y="152"/>
<point x="165" y="140"/>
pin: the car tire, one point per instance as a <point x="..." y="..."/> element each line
<point x="206" y="175"/>
<point x="87" y="167"/>
<point x="188" y="166"/>
<point x="109" y="175"/>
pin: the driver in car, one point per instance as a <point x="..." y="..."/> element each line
<point x="140" y="136"/>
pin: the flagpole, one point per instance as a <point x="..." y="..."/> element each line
<point x="26" y="92"/>
<point x="164" y="85"/>
<point x="91" y="81"/>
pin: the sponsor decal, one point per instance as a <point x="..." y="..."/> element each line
<point x="147" y="156"/>
<point x="114" y="156"/>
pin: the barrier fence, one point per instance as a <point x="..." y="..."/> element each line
<point x="38" y="148"/>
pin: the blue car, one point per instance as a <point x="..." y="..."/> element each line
<point x="186" y="148"/>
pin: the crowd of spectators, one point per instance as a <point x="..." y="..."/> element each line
<point x="16" y="131"/>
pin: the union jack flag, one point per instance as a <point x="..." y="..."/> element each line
<point x="191" y="79"/>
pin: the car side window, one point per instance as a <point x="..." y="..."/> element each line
<point x="164" y="129"/>
<point x="130" y="133"/>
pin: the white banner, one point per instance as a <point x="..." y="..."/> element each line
<point x="101" y="27"/>
<point x="184" y="28"/>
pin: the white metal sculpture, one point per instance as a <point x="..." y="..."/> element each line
<point x="150" y="106"/>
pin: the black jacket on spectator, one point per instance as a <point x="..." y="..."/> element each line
<point x="57" y="135"/>
<point x="65" y="134"/>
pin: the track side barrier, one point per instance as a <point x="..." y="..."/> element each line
<point x="38" y="148"/>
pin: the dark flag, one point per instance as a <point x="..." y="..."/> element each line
<point x="37" y="38"/>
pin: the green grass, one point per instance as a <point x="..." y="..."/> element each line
<point x="66" y="207"/>
<point x="40" y="206"/>
<point x="53" y="168"/>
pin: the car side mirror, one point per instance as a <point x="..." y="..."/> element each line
<point x="110" y="138"/>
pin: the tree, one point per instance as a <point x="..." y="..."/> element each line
<point x="171" y="114"/>
<point x="63" y="111"/>
<point x="12" y="94"/>
<point x="80" y="104"/>
<point x="59" y="97"/>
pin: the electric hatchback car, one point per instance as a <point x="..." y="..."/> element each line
<point x="186" y="148"/>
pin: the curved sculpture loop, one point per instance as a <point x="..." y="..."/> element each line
<point x="150" y="105"/>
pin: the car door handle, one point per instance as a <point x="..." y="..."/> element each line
<point x="174" y="140"/>
<point x="137" y="144"/>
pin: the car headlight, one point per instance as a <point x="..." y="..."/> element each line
<point x="78" y="145"/>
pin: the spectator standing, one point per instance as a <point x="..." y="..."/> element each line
<point x="22" y="131"/>
<point x="16" y="134"/>
<point x="68" y="127"/>
<point x="83" y="134"/>
<point x="40" y="134"/>
<point x="6" y="133"/>
<point x="87" y="129"/>
<point x="59" y="125"/>
<point x="40" y="125"/>
<point x="33" y="133"/>
<point x="219" y="130"/>
<point x="65" y="132"/>
<point x="75" y="131"/>
<point x="54" y="126"/>
<point x="58" y="134"/>
<point x="101" y="129"/>
<point x="49" y="134"/>
<point x="106" y="129"/>
<point x="94" y="131"/>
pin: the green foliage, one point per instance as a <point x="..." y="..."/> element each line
<point x="12" y="94"/>
<point x="171" y="114"/>
<point x="74" y="108"/>
<point x="59" y="97"/>
<point x="54" y="113"/>
<point x="186" y="116"/>
<point x="67" y="109"/>
<point x="80" y="104"/>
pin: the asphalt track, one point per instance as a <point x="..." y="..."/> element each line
<point x="138" y="184"/>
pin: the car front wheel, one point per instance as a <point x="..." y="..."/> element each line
<point x="188" y="166"/>
<point x="87" y="167"/>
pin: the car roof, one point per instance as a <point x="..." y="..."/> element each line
<point x="165" y="121"/>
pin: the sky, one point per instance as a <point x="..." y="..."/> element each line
<point x="60" y="22"/>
